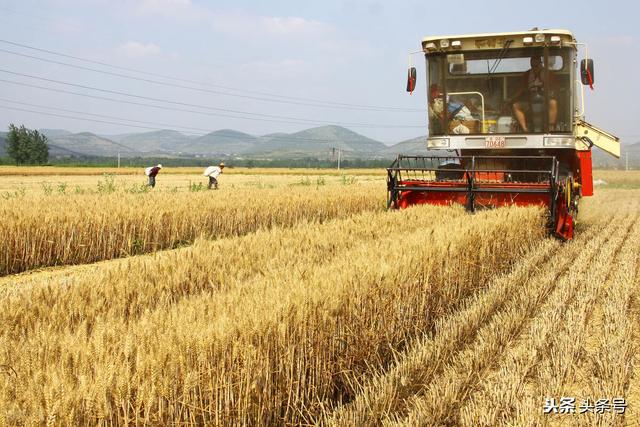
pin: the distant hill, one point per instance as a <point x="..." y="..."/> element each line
<point x="222" y="142"/>
<point x="161" y="141"/>
<point x="318" y="142"/>
<point x="88" y="144"/>
<point x="274" y="135"/>
<point x="410" y="146"/>
<point x="52" y="133"/>
<point x="57" y="151"/>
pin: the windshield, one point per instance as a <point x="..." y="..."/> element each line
<point x="500" y="91"/>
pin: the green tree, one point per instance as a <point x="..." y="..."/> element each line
<point x="26" y="146"/>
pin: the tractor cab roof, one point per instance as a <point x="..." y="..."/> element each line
<point x="490" y="41"/>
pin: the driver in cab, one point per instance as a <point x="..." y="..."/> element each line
<point x="530" y="97"/>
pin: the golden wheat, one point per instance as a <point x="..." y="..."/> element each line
<point x="78" y="229"/>
<point x="273" y="347"/>
<point x="441" y="400"/>
<point x="503" y="393"/>
<point x="300" y="301"/>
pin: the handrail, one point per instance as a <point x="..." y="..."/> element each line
<point x="472" y="93"/>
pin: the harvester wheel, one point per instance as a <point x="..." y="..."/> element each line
<point x="565" y="210"/>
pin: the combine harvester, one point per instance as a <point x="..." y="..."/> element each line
<point x="514" y="126"/>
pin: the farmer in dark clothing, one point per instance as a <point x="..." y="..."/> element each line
<point x="151" y="172"/>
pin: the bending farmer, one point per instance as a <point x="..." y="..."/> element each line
<point x="151" y="172"/>
<point x="213" y="172"/>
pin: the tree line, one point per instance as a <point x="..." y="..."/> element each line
<point x="26" y="147"/>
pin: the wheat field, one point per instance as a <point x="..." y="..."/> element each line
<point x="301" y="301"/>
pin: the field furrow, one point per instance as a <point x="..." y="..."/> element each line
<point x="441" y="398"/>
<point x="388" y="391"/>
<point x="502" y="393"/>
<point x="555" y="370"/>
<point x="602" y="345"/>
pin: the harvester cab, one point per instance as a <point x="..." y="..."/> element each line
<point x="506" y="126"/>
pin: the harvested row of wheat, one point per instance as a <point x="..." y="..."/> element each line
<point x="609" y="366"/>
<point x="388" y="394"/>
<point x="439" y="401"/>
<point x="558" y="371"/>
<point x="206" y="266"/>
<point x="632" y="389"/>
<point x="82" y="229"/>
<point x="500" y="391"/>
<point x="274" y="348"/>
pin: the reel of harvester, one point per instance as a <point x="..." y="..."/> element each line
<point x="478" y="182"/>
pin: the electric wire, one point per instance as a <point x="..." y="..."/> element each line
<point x="282" y="98"/>
<point x="205" y="107"/>
<point x="179" y="86"/>
<point x="160" y="107"/>
<point x="173" y="127"/>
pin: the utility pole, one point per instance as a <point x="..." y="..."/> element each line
<point x="333" y="155"/>
<point x="626" y="156"/>
<point x="118" y="160"/>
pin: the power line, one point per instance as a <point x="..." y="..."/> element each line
<point x="205" y="107"/>
<point x="76" y="118"/>
<point x="215" y="92"/>
<point x="141" y="104"/>
<point x="282" y="98"/>
<point x="162" y="126"/>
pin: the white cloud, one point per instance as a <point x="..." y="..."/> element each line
<point x="67" y="26"/>
<point x="133" y="49"/>
<point x="622" y="40"/>
<point x="286" y="26"/>
<point x="164" y="7"/>
<point x="285" y="67"/>
<point x="260" y="26"/>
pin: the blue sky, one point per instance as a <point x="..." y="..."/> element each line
<point x="349" y="52"/>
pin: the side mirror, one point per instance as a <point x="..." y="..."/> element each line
<point x="586" y="72"/>
<point x="411" y="79"/>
